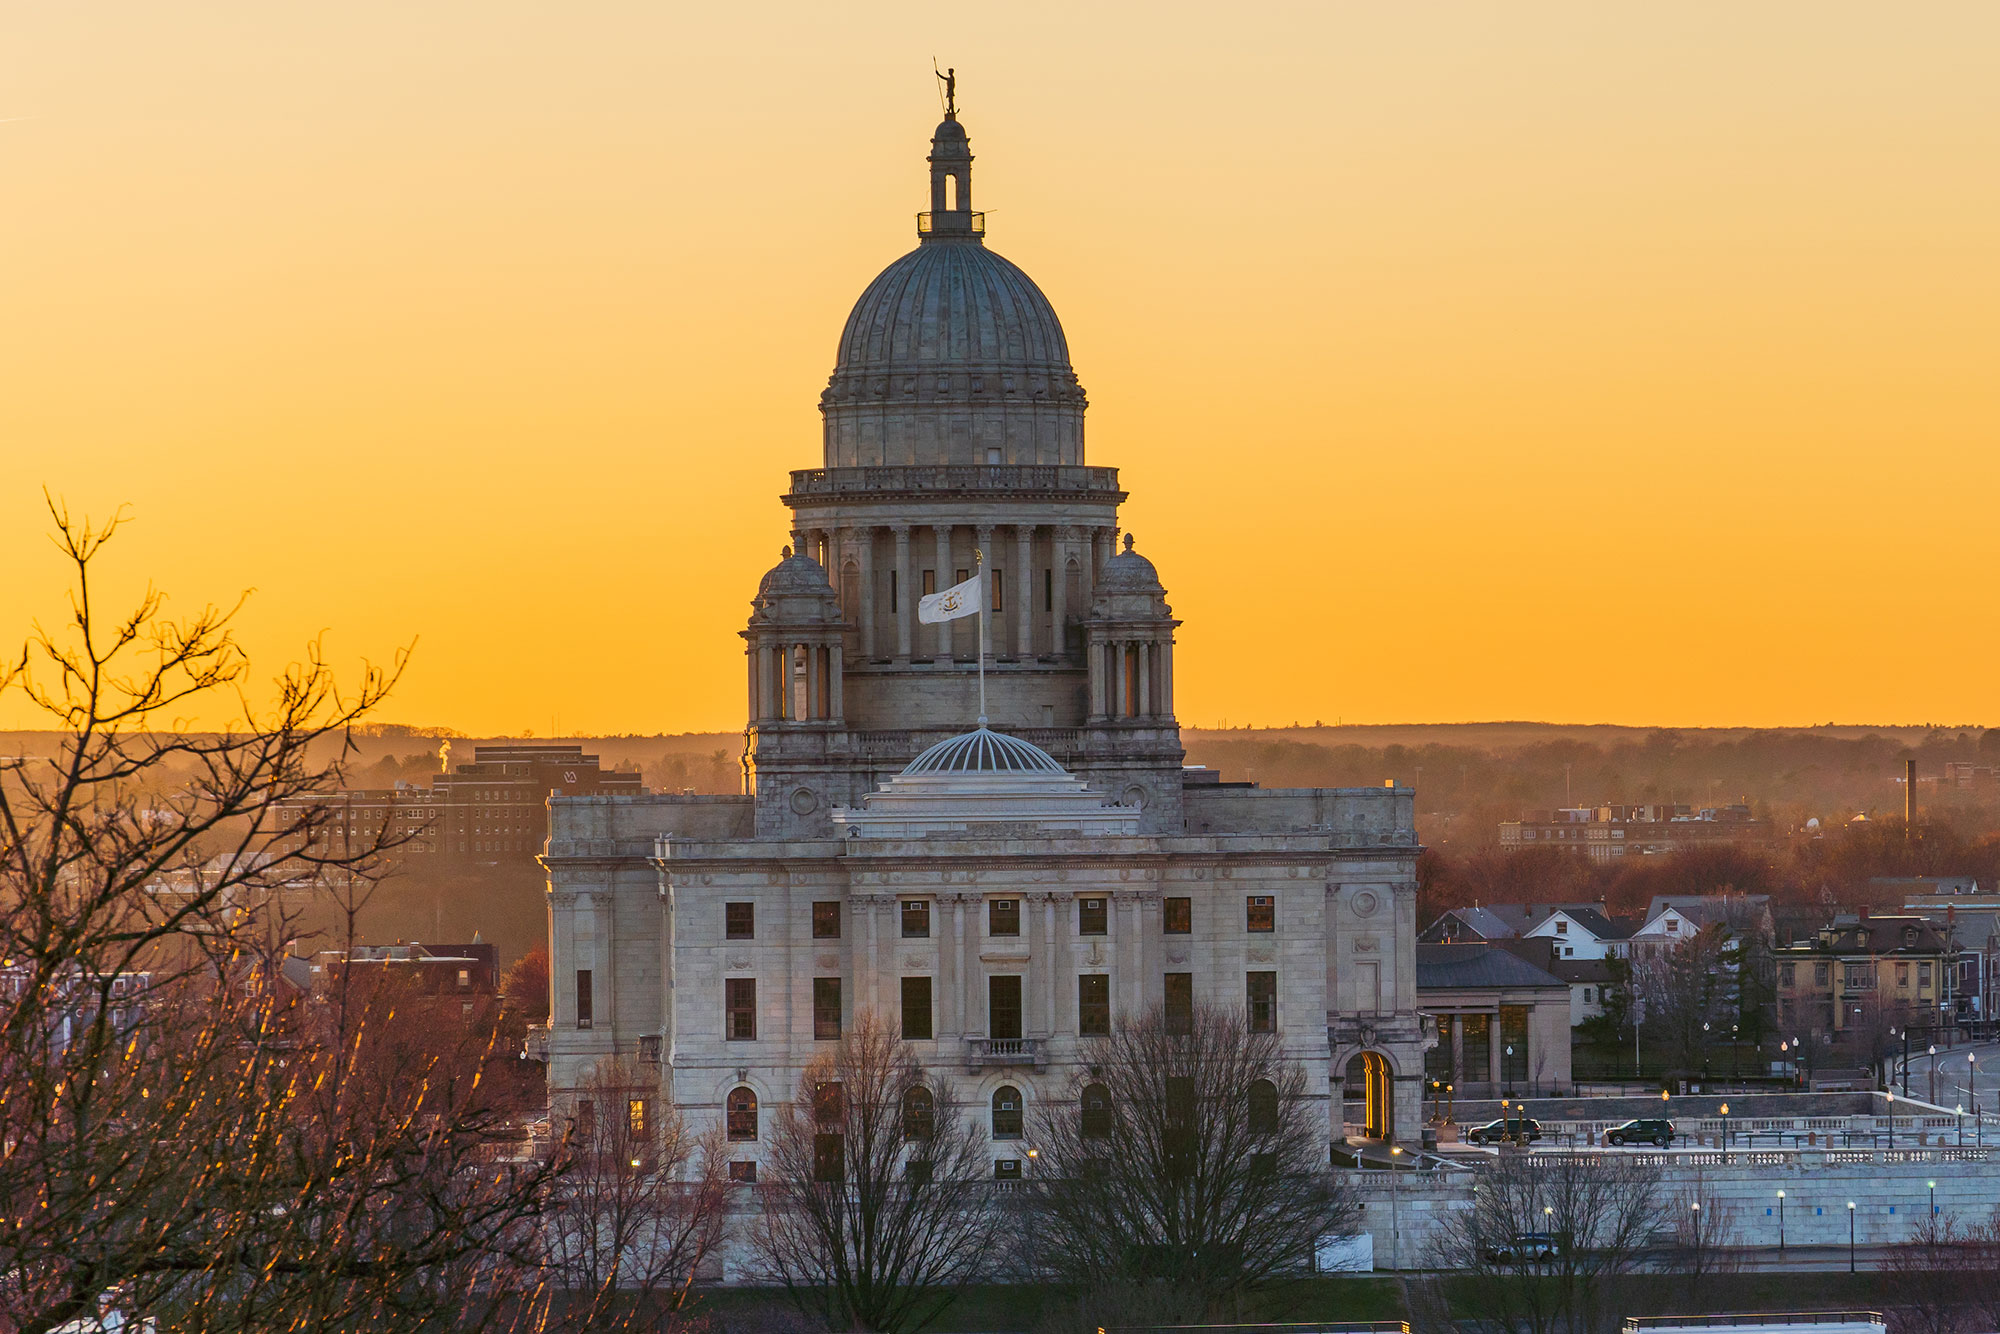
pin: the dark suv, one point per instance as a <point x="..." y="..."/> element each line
<point x="1510" y="1127"/>
<point x="1659" y="1131"/>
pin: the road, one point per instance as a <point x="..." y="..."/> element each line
<point x="1967" y="1076"/>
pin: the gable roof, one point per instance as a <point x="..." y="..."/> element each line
<point x="1592" y="920"/>
<point x="1480" y="922"/>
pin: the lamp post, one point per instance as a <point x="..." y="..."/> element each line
<point x="1850" y="1236"/>
<point x="1725" y="1127"/>
<point x="1510" y="1068"/>
<point x="1933" y="1189"/>
<point x="1781" y="1223"/>
<point x="1890" y="1099"/>
<point x="1395" y="1214"/>
<point x="1704" y="1053"/>
<point x="1933" y="1055"/>
<point x="1972" y="1090"/>
<point x="1906" y="1060"/>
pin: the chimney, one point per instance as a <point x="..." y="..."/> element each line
<point x="1909" y="797"/>
<point x="1864" y="912"/>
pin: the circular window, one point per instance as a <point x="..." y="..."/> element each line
<point x="803" y="801"/>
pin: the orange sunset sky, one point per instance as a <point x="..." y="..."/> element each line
<point x="1634" y="363"/>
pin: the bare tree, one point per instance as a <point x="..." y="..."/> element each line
<point x="640" y="1207"/>
<point x="1598" y="1214"/>
<point x="1934" y="1280"/>
<point x="1192" y="1154"/>
<point x="1690" y="994"/>
<point x="878" y="1205"/>
<point x="1705" y="1237"/>
<point x="184" y="1124"/>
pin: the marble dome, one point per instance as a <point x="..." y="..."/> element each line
<point x="952" y="355"/>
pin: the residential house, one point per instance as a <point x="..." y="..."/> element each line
<point x="1861" y="967"/>
<point x="1588" y="979"/>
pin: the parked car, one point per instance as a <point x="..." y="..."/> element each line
<point x="1647" y="1130"/>
<point x="1508" y="1127"/>
<point x="1532" y="1247"/>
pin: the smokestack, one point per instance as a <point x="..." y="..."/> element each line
<point x="1909" y="797"/>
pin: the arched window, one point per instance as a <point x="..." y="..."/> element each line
<point x="1263" y="1108"/>
<point x="742" y="1114"/>
<point x="919" y="1113"/>
<point x="1096" y="1111"/>
<point x="1007" y="1112"/>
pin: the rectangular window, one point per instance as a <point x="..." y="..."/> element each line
<point x="826" y="1009"/>
<point x="635" y="1117"/>
<point x="1903" y="976"/>
<point x="740" y="999"/>
<point x="1180" y="1002"/>
<point x="1092" y="917"/>
<point x="1788" y="974"/>
<point x="583" y="1006"/>
<point x="962" y="576"/>
<point x="1093" y="1005"/>
<point x="1003" y="1005"/>
<point x="744" y="1172"/>
<point x="464" y="979"/>
<point x="1822" y="974"/>
<point x="998" y="578"/>
<point x="1923" y="974"/>
<point x="917" y="1008"/>
<point x="1476" y="1039"/>
<point x="1259" y="913"/>
<point x="739" y="921"/>
<point x="1562" y="928"/>
<point x="829" y="1157"/>
<point x="916" y="919"/>
<point x="1003" y="917"/>
<point x="826" y="919"/>
<point x="930" y="582"/>
<point x="586" y="1120"/>
<point x="1514" y="1042"/>
<point x="1177" y="917"/>
<point x="1260" y="999"/>
<point x="1006" y="1169"/>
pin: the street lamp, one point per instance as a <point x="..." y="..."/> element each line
<point x="1395" y="1216"/>
<point x="1933" y="1188"/>
<point x="1781" y="1222"/>
<point x="1850" y="1236"/>
<point x="1933" y="1055"/>
<point x="1510" y="1067"/>
<point x="1890" y="1099"/>
<point x="1972" y="1091"/>
<point x="1725" y="1127"/>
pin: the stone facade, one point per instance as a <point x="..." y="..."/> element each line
<point x="1002" y="893"/>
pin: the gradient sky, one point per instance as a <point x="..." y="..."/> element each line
<point x="1567" y="361"/>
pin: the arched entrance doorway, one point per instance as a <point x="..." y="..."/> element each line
<point x="1368" y="1077"/>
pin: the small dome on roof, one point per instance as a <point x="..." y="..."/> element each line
<point x="1129" y="572"/>
<point x="984" y="751"/>
<point x="793" y="575"/>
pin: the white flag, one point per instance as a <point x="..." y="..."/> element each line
<point x="956" y="601"/>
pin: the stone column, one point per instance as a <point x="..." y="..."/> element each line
<point x="1024" y="575"/>
<point x="1145" y="652"/>
<point x="836" y="692"/>
<point x="1166" y="700"/>
<point x="864" y="539"/>
<point x="952" y="930"/>
<point x="811" y="710"/>
<point x="1493" y="1045"/>
<point x="943" y="533"/>
<point x="906" y="610"/>
<point x="982" y="539"/>
<point x="1053" y="967"/>
<point x="1456" y="1037"/>
<point x="1135" y="948"/>
<point x="1060" y="541"/>
<point x="1094" y="658"/>
<point x="971" y="1005"/>
<point x="1117" y="654"/>
<point x="1107" y="547"/>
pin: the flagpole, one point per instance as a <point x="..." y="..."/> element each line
<point x="979" y="571"/>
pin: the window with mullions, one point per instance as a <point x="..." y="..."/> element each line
<point x="1514" y="1035"/>
<point x="1003" y="917"/>
<point x="826" y="1009"/>
<point x="826" y="920"/>
<point x="739" y="921"/>
<point x="916" y="919"/>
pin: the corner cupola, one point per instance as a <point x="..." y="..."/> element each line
<point x="793" y="643"/>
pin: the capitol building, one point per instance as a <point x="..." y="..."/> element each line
<point x="1006" y="891"/>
